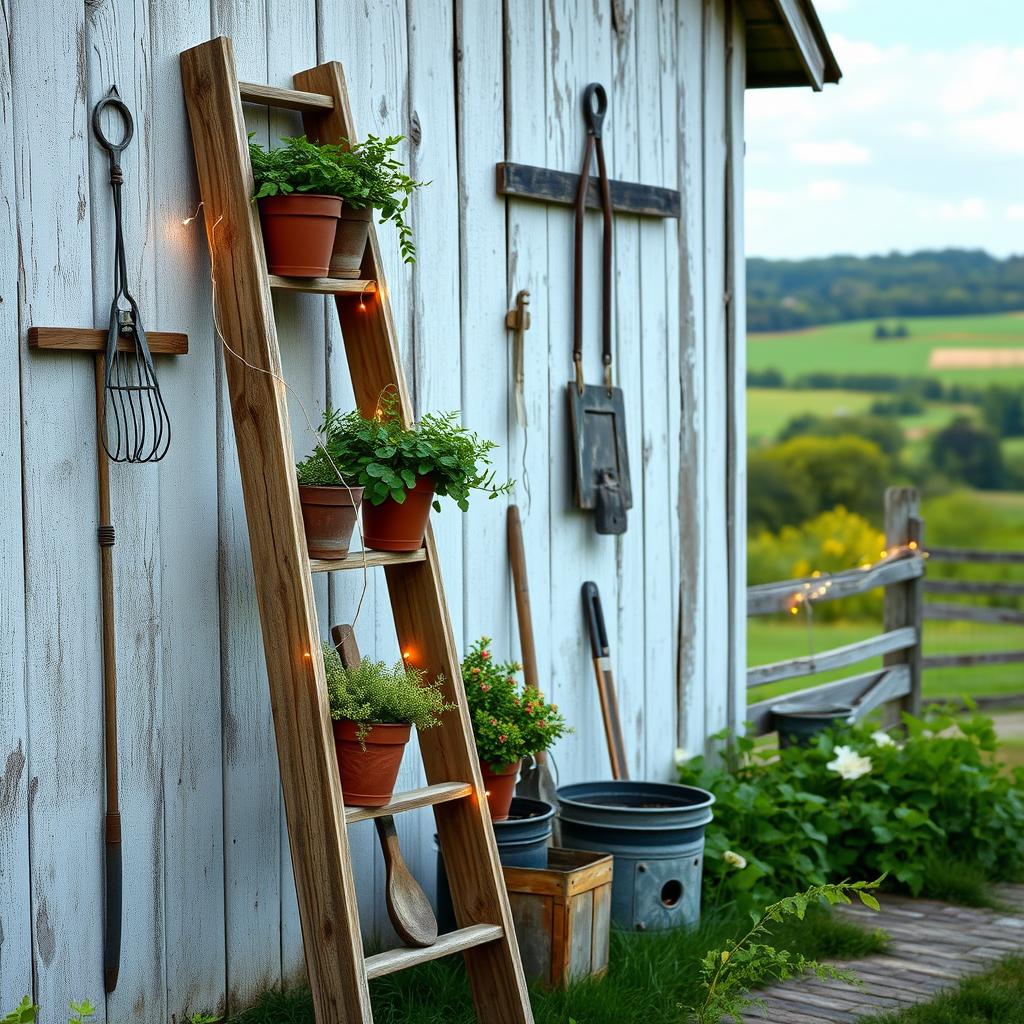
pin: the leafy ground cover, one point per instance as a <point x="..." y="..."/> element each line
<point x="994" y="997"/>
<point x="648" y="977"/>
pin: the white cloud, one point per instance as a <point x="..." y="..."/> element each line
<point x="835" y="153"/>
<point x="970" y="209"/>
<point x="826" y="190"/>
<point x="1015" y="211"/>
<point x="764" y="199"/>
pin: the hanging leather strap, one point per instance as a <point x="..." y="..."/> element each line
<point x="595" y="106"/>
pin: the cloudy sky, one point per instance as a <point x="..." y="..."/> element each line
<point x="920" y="146"/>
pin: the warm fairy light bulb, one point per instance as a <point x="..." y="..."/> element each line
<point x="912" y="545"/>
<point x="306" y="655"/>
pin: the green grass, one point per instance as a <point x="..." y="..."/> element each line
<point x="772" y="639"/>
<point x="849" y="347"/>
<point x="648" y="977"/>
<point x="770" y="409"/>
<point x="994" y="997"/>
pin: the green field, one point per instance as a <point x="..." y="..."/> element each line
<point x="770" y="639"/>
<point x="850" y="348"/>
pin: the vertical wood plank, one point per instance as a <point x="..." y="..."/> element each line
<point x="193" y="836"/>
<point x="904" y="602"/>
<point x="252" y="803"/>
<point x="736" y="365"/>
<point x="482" y="274"/>
<point x="631" y="338"/>
<point x="116" y="35"/>
<point x="660" y="391"/>
<point x="15" y="917"/>
<point x="692" y="527"/>
<point x="292" y="44"/>
<point x="51" y="145"/>
<point x="527" y="238"/>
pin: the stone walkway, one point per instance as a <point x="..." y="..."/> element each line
<point x="933" y="946"/>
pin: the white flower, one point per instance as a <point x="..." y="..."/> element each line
<point x="681" y="756"/>
<point x="736" y="860"/>
<point x="883" y="739"/>
<point x="849" y="764"/>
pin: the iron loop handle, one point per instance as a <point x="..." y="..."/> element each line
<point x="114" y="149"/>
<point x="595" y="619"/>
<point x="595" y="106"/>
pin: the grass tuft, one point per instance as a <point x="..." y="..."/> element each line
<point x="995" y="997"/>
<point x="648" y="977"/>
<point x="959" y="882"/>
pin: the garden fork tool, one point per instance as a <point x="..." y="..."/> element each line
<point x="597" y="411"/>
<point x="134" y="426"/>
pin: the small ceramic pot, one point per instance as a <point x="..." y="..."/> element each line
<point x="298" y="233"/>
<point x="500" y="787"/>
<point x="329" y="516"/>
<point x="368" y="775"/>
<point x="391" y="526"/>
<point x="350" y="242"/>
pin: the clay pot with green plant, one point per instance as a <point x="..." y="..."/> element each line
<point x="299" y="189"/>
<point x="403" y="470"/>
<point x="380" y="184"/>
<point x="373" y="708"/>
<point x="509" y="722"/>
<point x="329" y="507"/>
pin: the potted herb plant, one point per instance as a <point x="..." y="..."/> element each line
<point x="403" y="470"/>
<point x="299" y="189"/>
<point x="380" y="184"/>
<point x="509" y="722"/>
<point x="329" y="506"/>
<point x="374" y="708"/>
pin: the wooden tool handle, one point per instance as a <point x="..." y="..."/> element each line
<point x="605" y="681"/>
<point x="517" y="558"/>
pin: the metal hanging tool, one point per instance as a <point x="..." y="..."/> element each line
<point x="597" y="411"/>
<point x="135" y="426"/>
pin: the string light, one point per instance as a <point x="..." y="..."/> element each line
<point x="362" y="296"/>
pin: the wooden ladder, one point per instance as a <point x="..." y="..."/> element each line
<point x="317" y="818"/>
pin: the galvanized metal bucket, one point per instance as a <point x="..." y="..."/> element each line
<point x="799" y="721"/>
<point x="523" y="836"/>
<point x="655" y="831"/>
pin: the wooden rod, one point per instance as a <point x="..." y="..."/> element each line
<point x="86" y="339"/>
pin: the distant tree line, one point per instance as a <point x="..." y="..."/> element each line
<point x="789" y="294"/>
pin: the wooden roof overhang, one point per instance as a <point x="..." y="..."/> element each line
<point x="786" y="45"/>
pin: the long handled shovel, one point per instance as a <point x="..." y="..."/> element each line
<point x="408" y="906"/>
<point x="535" y="782"/>
<point x="605" y="680"/>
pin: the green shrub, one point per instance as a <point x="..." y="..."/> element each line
<point x="858" y="802"/>
<point x="383" y="455"/>
<point x="508" y="722"/>
<point x="375" y="694"/>
<point x="26" y="1012"/>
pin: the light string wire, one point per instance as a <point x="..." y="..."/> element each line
<point x="320" y="439"/>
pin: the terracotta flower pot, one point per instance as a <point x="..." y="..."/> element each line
<point x="390" y="526"/>
<point x="298" y="232"/>
<point x="350" y="242"/>
<point x="368" y="776"/>
<point x="329" y="516"/>
<point x="500" y="787"/>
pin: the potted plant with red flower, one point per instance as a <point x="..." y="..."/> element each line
<point x="374" y="708"/>
<point x="510" y="721"/>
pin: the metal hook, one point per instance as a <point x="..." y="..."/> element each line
<point x="593" y="113"/>
<point x="114" y="149"/>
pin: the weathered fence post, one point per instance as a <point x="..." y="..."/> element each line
<point x="904" y="602"/>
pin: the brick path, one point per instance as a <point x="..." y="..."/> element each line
<point x="933" y="946"/>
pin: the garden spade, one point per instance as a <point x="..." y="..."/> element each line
<point x="408" y="906"/>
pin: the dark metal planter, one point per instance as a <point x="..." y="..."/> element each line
<point x="799" y="721"/>
<point x="655" y="831"/>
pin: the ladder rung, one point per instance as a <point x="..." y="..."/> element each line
<point x="355" y="560"/>
<point x="409" y="801"/>
<point x="289" y="99"/>
<point x="323" y="285"/>
<point x="453" y="942"/>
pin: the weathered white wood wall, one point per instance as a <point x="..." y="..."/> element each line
<point x="210" y="914"/>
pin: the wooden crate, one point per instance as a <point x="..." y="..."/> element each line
<point x="562" y="915"/>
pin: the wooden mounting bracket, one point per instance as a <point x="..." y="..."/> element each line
<point x="544" y="185"/>
<point x="85" y="339"/>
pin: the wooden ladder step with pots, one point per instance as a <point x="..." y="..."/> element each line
<point x="317" y="818"/>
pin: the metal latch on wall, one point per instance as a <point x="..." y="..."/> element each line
<point x="517" y="320"/>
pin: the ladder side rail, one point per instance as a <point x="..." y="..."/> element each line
<point x="425" y="631"/>
<point x="308" y="767"/>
